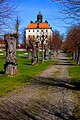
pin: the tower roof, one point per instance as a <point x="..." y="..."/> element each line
<point x="39" y="17"/>
<point x="39" y="14"/>
<point x="39" y="24"/>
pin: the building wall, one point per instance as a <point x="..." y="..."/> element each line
<point x="38" y="32"/>
<point x="2" y="45"/>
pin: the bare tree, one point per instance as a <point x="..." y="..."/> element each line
<point x="24" y="39"/>
<point x="73" y="43"/>
<point x="7" y="10"/>
<point x="17" y="25"/>
<point x="57" y="41"/>
<point x="70" y="8"/>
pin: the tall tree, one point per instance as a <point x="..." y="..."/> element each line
<point x="70" y="8"/>
<point x="17" y="30"/>
<point x="24" y="39"/>
<point x="73" y="42"/>
<point x="57" y="41"/>
<point x="7" y="10"/>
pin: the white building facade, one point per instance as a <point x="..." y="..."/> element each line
<point x="38" y="30"/>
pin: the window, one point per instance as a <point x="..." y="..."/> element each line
<point x="46" y="30"/>
<point x="29" y="30"/>
<point x="37" y="30"/>
<point x="37" y="36"/>
<point x="33" y="30"/>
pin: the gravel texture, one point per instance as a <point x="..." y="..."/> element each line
<point x="49" y="97"/>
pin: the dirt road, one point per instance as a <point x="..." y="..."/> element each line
<point x="50" y="97"/>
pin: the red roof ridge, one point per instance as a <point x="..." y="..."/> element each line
<point x="38" y="25"/>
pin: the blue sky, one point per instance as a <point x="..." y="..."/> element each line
<point x="28" y="10"/>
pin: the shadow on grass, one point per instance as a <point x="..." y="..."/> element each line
<point x="63" y="59"/>
<point x="29" y="64"/>
<point x="65" y="64"/>
<point x="2" y="72"/>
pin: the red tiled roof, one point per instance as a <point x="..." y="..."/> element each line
<point x="40" y="25"/>
<point x="2" y="41"/>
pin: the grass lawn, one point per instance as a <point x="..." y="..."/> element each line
<point x="26" y="73"/>
<point x="74" y="72"/>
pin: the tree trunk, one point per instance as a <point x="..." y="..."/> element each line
<point x="11" y="62"/>
<point x="34" y="59"/>
<point x="78" y="57"/>
<point x="28" y="54"/>
<point x="42" y="53"/>
<point x="37" y="51"/>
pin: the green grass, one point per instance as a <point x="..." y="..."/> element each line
<point x="74" y="72"/>
<point x="26" y="73"/>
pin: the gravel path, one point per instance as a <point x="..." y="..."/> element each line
<point x="50" y="97"/>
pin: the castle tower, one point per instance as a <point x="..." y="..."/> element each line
<point x="39" y="17"/>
